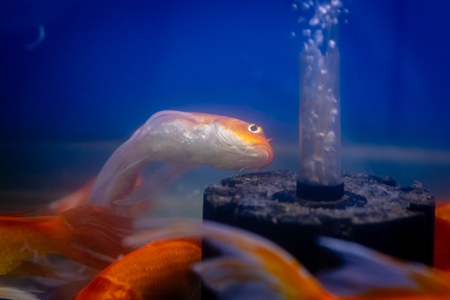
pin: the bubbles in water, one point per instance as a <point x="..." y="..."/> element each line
<point x="332" y="44"/>
<point x="318" y="16"/>
<point x="336" y="3"/>
<point x="314" y="21"/>
<point x="318" y="37"/>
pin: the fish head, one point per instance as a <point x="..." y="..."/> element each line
<point x="242" y="145"/>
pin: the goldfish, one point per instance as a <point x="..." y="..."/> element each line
<point x="252" y="267"/>
<point x="183" y="140"/>
<point x="87" y="234"/>
<point x="442" y="236"/>
<point x="158" y="270"/>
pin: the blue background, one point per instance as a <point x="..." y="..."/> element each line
<point x="104" y="67"/>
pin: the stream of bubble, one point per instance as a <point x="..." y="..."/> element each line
<point x="319" y="93"/>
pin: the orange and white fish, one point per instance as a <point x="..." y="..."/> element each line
<point x="158" y="270"/>
<point x="87" y="234"/>
<point x="185" y="140"/>
<point x="251" y="267"/>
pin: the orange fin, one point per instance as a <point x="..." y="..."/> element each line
<point x="75" y="199"/>
<point x="31" y="268"/>
<point x="45" y="269"/>
<point x="21" y="213"/>
<point x="96" y="234"/>
<point x="141" y="197"/>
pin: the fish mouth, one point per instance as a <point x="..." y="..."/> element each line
<point x="264" y="155"/>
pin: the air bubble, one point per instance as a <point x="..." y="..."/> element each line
<point x="314" y="21"/>
<point x="322" y="9"/>
<point x="336" y="3"/>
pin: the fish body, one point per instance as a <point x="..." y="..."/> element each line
<point x="159" y="270"/>
<point x="185" y="140"/>
<point x="89" y="235"/>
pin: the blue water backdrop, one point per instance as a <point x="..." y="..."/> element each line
<point x="102" y="68"/>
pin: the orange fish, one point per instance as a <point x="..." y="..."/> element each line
<point x="88" y="234"/>
<point x="158" y="270"/>
<point x="251" y="267"/>
<point x="183" y="140"/>
<point x="442" y="236"/>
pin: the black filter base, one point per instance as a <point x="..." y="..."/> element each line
<point x="373" y="211"/>
<point x="317" y="192"/>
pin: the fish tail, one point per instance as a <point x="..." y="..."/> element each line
<point x="366" y="273"/>
<point x="16" y="294"/>
<point x="94" y="235"/>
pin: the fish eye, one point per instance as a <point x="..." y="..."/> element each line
<point x="254" y="128"/>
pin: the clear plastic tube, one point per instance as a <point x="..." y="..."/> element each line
<point x="320" y="127"/>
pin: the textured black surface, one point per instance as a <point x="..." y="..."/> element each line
<point x="319" y="192"/>
<point x="374" y="211"/>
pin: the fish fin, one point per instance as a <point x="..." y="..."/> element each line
<point x="117" y="178"/>
<point x="42" y="267"/>
<point x="139" y="199"/>
<point x="78" y="198"/>
<point x="441" y="243"/>
<point x="236" y="279"/>
<point x="21" y="213"/>
<point x="441" y="239"/>
<point x="32" y="268"/>
<point x="95" y="235"/>
<point x="366" y="272"/>
<point x="12" y="293"/>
